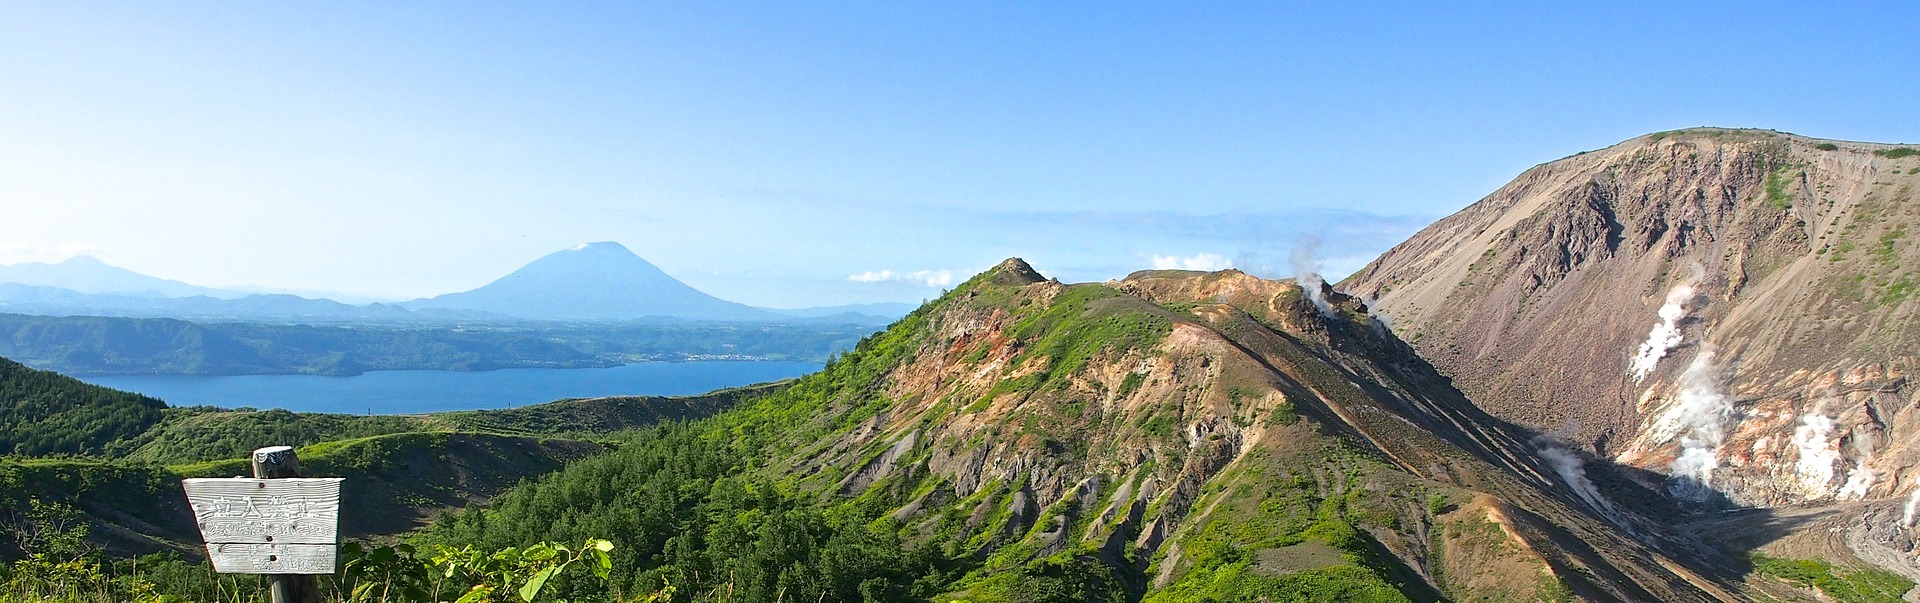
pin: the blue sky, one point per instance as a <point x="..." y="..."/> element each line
<point x="793" y="154"/>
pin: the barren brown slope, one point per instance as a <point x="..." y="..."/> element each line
<point x="1536" y="300"/>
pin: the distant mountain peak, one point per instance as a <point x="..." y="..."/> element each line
<point x="87" y="274"/>
<point x="593" y="281"/>
<point x="603" y="247"/>
<point x="1016" y="271"/>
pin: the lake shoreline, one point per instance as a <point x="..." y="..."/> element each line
<point x="416" y="391"/>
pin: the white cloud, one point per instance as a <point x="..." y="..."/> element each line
<point x="1202" y="261"/>
<point x="924" y="278"/>
<point x="14" y="252"/>
<point x="80" y="249"/>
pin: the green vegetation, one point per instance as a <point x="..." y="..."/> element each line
<point x="597" y="418"/>
<point x="380" y="574"/>
<point x="1898" y="290"/>
<point x="1827" y="146"/>
<point x="1866" y="585"/>
<point x="685" y="517"/>
<point x="400" y="479"/>
<point x="691" y="507"/>
<point x="188" y="435"/>
<point x="1841" y="249"/>
<point x="1887" y="251"/>
<point x="1131" y="383"/>
<point x="1278" y="534"/>
<point x="43" y="412"/>
<point x="1083" y="322"/>
<point x="1779" y="181"/>
<point x="1238" y="582"/>
<point x="1897" y="152"/>
<point x="684" y="503"/>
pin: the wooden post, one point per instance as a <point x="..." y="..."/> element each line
<point x="276" y="523"/>
<point x="276" y="462"/>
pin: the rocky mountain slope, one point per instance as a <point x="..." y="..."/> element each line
<point x="1173" y="436"/>
<point x="1731" y="310"/>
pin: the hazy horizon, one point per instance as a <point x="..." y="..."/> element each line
<point x="792" y="156"/>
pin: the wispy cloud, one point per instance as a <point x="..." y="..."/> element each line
<point x="924" y="278"/>
<point x="13" y="252"/>
<point x="1201" y="261"/>
<point x="80" y="249"/>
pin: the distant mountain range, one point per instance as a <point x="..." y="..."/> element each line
<point x="595" y="282"/>
<point x="889" y="310"/>
<point x="85" y="274"/>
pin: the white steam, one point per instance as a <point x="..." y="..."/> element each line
<point x="1665" y="335"/>
<point x="1858" y="481"/>
<point x="1700" y="420"/>
<point x="1306" y="272"/>
<point x="1382" y="321"/>
<point x="1913" y="500"/>
<point x="1572" y="470"/>
<point x="1819" y="452"/>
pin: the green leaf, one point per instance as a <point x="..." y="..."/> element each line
<point x="477" y="595"/>
<point x="601" y="545"/>
<point x="602" y="564"/>
<point x="532" y="588"/>
<point x="538" y="552"/>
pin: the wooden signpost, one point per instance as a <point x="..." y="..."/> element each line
<point x="275" y="523"/>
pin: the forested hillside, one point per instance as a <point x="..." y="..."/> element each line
<point x="89" y="345"/>
<point x="43" y="412"/>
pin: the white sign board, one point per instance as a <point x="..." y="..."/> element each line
<point x="268" y="526"/>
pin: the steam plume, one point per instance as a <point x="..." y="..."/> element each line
<point x="1913" y="500"/>
<point x="1858" y="481"/>
<point x="1818" y="453"/>
<point x="1306" y="272"/>
<point x="1665" y="335"/>
<point x="1699" y="419"/>
<point x="1572" y="470"/>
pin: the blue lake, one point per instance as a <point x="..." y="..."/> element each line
<point x="409" y="392"/>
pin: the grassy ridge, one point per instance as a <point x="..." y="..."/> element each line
<point x="399" y="482"/>
<point x="597" y="417"/>
<point x="196" y="434"/>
